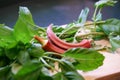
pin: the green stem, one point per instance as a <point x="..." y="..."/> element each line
<point x="92" y="33"/>
<point x="32" y="40"/>
<point x="95" y="12"/>
<point x="92" y="23"/>
<point x="94" y="16"/>
<point x="47" y="53"/>
<point x="47" y="65"/>
<point x="53" y="59"/>
<point x="56" y="60"/>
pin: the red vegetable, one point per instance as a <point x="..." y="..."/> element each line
<point x="48" y="45"/>
<point x="65" y="45"/>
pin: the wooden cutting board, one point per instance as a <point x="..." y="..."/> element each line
<point x="110" y="70"/>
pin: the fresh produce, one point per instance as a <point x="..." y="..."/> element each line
<point x="27" y="51"/>
<point x="48" y="45"/>
<point x="55" y="44"/>
<point x="65" y="45"/>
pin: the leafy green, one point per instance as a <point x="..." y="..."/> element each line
<point x="1" y="52"/>
<point x="29" y="71"/>
<point x="23" y="58"/>
<point x="115" y="41"/>
<point x="69" y="72"/>
<point x="4" y="61"/>
<point x="11" y="53"/>
<point x="4" y="71"/>
<point x="45" y="74"/>
<point x="25" y="28"/>
<point x="86" y="59"/>
<point x="68" y="34"/>
<point x="83" y="16"/>
<point x="112" y="29"/>
<point x="69" y="31"/>
<point x="111" y="26"/>
<point x="26" y="52"/>
<point x="6" y="37"/>
<point x="98" y="16"/>
<point x="102" y="3"/>
<point x="36" y="50"/>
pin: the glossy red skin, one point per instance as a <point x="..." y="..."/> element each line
<point x="65" y="45"/>
<point x="49" y="46"/>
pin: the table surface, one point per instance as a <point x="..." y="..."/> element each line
<point x="53" y="11"/>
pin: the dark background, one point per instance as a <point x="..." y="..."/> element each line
<point x="52" y="11"/>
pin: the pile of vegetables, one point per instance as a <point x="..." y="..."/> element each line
<point x="31" y="52"/>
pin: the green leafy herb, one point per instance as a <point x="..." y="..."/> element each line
<point x="22" y="58"/>
<point x="4" y="72"/>
<point x="86" y="59"/>
<point x="115" y="41"/>
<point x="83" y="16"/>
<point x="102" y="3"/>
<point x="25" y="28"/>
<point x="6" y="37"/>
<point x="69" y="72"/>
<point x="29" y="71"/>
<point x="112" y="29"/>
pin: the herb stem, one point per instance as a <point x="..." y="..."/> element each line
<point x="53" y="69"/>
<point x="47" y="53"/>
<point x="95" y="12"/>
<point x="46" y="64"/>
<point x="92" y="23"/>
<point x="94" y="16"/>
<point x="92" y="33"/>
<point x="53" y="59"/>
<point x="41" y="59"/>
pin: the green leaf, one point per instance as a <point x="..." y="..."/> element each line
<point x="98" y="16"/>
<point x="25" y="28"/>
<point x="70" y="75"/>
<point x="23" y="57"/>
<point x="66" y="66"/>
<point x="68" y="71"/>
<point x="57" y="29"/>
<point x="86" y="59"/>
<point x="2" y="52"/>
<point x="83" y="16"/>
<point x="112" y="29"/>
<point x="102" y="3"/>
<point x="36" y="50"/>
<point x="3" y="72"/>
<point x="7" y="39"/>
<point x="58" y="76"/>
<point x="45" y="74"/>
<point x="29" y="71"/>
<point x="69" y="31"/>
<point x="114" y="41"/>
<point x="4" y="61"/>
<point x="111" y="25"/>
<point x="11" y="53"/>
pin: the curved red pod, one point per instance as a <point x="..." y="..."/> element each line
<point x="49" y="46"/>
<point x="65" y="45"/>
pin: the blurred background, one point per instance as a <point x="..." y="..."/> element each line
<point x="58" y="12"/>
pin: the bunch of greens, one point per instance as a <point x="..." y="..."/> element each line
<point x="22" y="58"/>
<point x="95" y="29"/>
